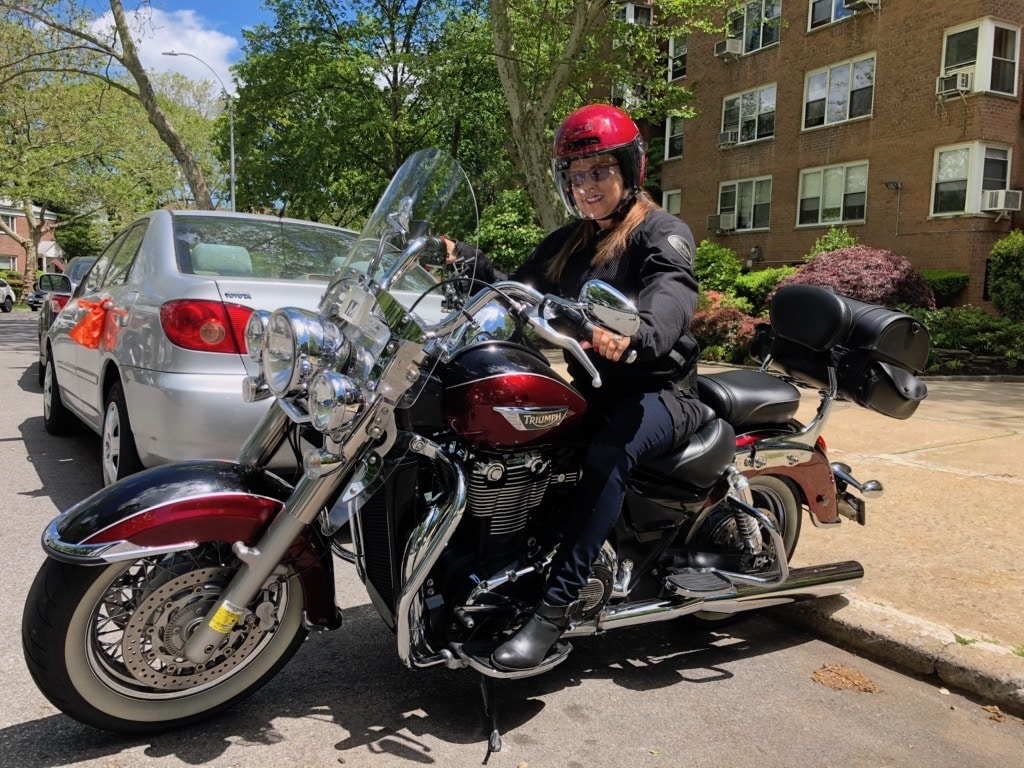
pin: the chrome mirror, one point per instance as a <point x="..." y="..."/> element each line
<point x="609" y="308"/>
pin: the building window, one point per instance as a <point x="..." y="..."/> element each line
<point x="750" y="114"/>
<point x="749" y="199"/>
<point x="632" y="13"/>
<point x="9" y="221"/>
<point x="671" y="200"/>
<point x="839" y="93"/>
<point x="833" y="194"/>
<point x="826" y="12"/>
<point x="963" y="171"/>
<point x="758" y="25"/>
<point x="677" y="57"/>
<point x="673" y="137"/>
<point x="8" y="263"/>
<point x="988" y="49"/>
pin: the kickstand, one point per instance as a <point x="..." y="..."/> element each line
<point x="490" y="710"/>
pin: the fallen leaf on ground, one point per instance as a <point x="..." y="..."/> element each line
<point x="994" y="713"/>
<point x="842" y="678"/>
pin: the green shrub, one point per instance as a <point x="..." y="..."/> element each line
<point x="945" y="285"/>
<point x="833" y="240"/>
<point x="756" y="287"/>
<point x="508" y="230"/>
<point x="867" y="274"/>
<point x="971" y="329"/>
<point x="716" y="267"/>
<point x="1006" y="275"/>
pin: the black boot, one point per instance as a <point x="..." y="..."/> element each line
<point x="528" y="647"/>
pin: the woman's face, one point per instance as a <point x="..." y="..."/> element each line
<point x="596" y="186"/>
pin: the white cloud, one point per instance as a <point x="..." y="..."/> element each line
<point x="186" y="32"/>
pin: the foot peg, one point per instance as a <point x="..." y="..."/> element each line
<point x="689" y="582"/>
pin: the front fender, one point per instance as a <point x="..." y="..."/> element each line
<point x="176" y="507"/>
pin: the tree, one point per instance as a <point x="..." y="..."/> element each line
<point x="71" y="23"/>
<point x="336" y="95"/>
<point x="1006" y="275"/>
<point x="550" y="56"/>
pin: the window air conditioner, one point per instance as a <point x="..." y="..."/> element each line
<point x="729" y="48"/>
<point x="860" y="5"/>
<point x="955" y="84"/>
<point x="722" y="222"/>
<point x="1000" y="200"/>
<point x="727" y="138"/>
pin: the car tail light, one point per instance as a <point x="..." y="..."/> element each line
<point x="205" y="326"/>
<point x="57" y="303"/>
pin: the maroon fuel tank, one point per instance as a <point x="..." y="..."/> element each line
<point x="502" y="395"/>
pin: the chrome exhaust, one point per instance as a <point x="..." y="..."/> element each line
<point x="803" y="584"/>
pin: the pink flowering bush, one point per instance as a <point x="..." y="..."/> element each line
<point x="867" y="274"/>
<point x="723" y="330"/>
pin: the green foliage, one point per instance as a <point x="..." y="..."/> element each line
<point x="1006" y="275"/>
<point x="716" y="267"/>
<point x="86" y="237"/>
<point x="868" y="274"/>
<point x="756" y="287"/>
<point x="508" y="230"/>
<point x="833" y="240"/>
<point x="971" y="329"/>
<point x="722" y="327"/>
<point x="945" y="285"/>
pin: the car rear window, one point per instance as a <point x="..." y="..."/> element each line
<point x="238" y="247"/>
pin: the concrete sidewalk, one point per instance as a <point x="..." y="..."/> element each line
<point x="943" y="549"/>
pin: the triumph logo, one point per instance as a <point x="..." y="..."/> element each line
<point x="527" y="419"/>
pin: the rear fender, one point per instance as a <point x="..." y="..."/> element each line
<point x="806" y="467"/>
<point x="176" y="507"/>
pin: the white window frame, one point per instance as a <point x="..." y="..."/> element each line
<point x="760" y="96"/>
<point x="672" y="200"/>
<point x="630" y="11"/>
<point x="10" y="220"/>
<point x="985" y="59"/>
<point x="832" y="72"/>
<point x="837" y="13"/>
<point x="670" y="135"/>
<point x="758" y="185"/>
<point x="11" y="261"/>
<point x="675" y="56"/>
<point x="976" y="153"/>
<point x="847" y="173"/>
<point x="750" y="28"/>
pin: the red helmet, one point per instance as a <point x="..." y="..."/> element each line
<point x="599" y="129"/>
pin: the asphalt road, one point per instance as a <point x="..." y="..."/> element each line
<point x="656" y="696"/>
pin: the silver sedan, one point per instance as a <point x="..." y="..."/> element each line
<point x="149" y="351"/>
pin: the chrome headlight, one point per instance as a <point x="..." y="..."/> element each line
<point x="334" y="401"/>
<point x="297" y="345"/>
<point x="255" y="330"/>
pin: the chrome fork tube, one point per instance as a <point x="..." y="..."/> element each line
<point x="266" y="437"/>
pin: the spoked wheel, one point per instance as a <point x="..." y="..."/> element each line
<point x="105" y="644"/>
<point x="778" y="500"/>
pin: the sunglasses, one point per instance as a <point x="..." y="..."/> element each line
<point x="597" y="174"/>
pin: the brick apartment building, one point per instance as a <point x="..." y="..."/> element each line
<point x="896" y="119"/>
<point x="12" y="254"/>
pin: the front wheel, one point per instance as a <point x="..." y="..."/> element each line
<point x="104" y="643"/>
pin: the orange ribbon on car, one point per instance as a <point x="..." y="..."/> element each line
<point x="97" y="327"/>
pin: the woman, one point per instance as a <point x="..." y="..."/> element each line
<point x="645" y="408"/>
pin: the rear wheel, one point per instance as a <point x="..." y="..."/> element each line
<point x="57" y="419"/>
<point x="120" y="457"/>
<point x="104" y="644"/>
<point x="7" y="305"/>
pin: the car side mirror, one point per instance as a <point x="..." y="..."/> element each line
<point x="54" y="283"/>
<point x="609" y="308"/>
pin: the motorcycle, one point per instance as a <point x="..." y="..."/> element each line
<point x="439" y="457"/>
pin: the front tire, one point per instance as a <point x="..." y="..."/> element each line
<point x="57" y="419"/>
<point x="103" y="643"/>
<point x="8" y="305"/>
<point x="119" y="456"/>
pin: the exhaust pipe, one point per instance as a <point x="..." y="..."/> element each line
<point x="802" y="584"/>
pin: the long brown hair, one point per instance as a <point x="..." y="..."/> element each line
<point x="610" y="247"/>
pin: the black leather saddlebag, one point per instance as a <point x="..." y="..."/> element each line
<point x="875" y="351"/>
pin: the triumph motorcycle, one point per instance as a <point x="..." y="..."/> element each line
<point x="440" y="450"/>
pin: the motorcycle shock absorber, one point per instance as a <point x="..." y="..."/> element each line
<point x="746" y="526"/>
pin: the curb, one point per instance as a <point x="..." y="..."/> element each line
<point x="986" y="671"/>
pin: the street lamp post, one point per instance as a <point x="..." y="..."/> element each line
<point x="231" y="115"/>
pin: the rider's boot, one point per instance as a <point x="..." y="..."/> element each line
<point x="528" y="647"/>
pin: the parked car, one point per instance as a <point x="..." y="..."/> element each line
<point x="35" y="298"/>
<point x="174" y="291"/>
<point x="6" y="296"/>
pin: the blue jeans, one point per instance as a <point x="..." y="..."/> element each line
<point x="637" y="426"/>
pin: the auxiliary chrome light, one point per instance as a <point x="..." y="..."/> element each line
<point x="255" y="330"/>
<point x="334" y="401"/>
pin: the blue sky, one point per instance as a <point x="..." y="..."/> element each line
<point x="211" y="30"/>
